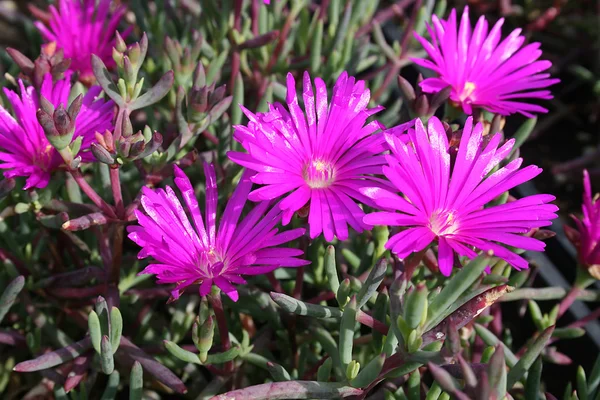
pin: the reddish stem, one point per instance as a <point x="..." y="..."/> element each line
<point x="371" y="322"/>
<point x="115" y="183"/>
<point x="217" y="306"/>
<point x="594" y="315"/>
<point x="568" y="300"/>
<point x="299" y="281"/>
<point x="274" y="282"/>
<point x="91" y="193"/>
<point x="117" y="254"/>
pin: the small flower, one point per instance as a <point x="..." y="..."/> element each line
<point x="25" y="150"/>
<point x="588" y="227"/>
<point x="483" y="71"/>
<point x="446" y="204"/>
<point x="82" y="28"/>
<point x="204" y="254"/>
<point x="323" y="154"/>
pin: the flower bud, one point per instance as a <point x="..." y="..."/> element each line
<point x="100" y="139"/>
<point x="126" y="127"/>
<point x="130" y="72"/>
<point x="147" y="132"/>
<point x="173" y="51"/>
<point x="216" y="96"/>
<point x="120" y="44"/>
<point x="124" y="148"/>
<point x="62" y="121"/>
<point x="407" y="90"/>
<point x="421" y="107"/>
<point x="205" y="339"/>
<point x="439" y="99"/>
<point x="75" y="107"/>
<point x="101" y="154"/>
<point x="199" y="77"/>
<point x="46" y="105"/>
<point x="118" y="57"/>
<point x="149" y="147"/>
<point x="352" y="369"/>
<point x="199" y="100"/>
<point x="137" y="148"/>
<point x="134" y="53"/>
<point x="21" y="60"/>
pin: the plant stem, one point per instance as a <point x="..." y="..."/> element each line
<point x="217" y="306"/>
<point x="91" y="193"/>
<point x="115" y="272"/>
<point x="371" y="322"/>
<point x="568" y="300"/>
<point x="299" y="281"/>
<point x="115" y="182"/>
<point x="274" y="282"/>
<point x="582" y="280"/>
<point x="594" y="315"/>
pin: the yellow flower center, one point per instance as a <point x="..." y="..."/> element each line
<point x="467" y="91"/>
<point x="443" y="222"/>
<point x="318" y="174"/>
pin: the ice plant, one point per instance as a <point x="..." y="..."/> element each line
<point x="588" y="230"/>
<point x="323" y="154"/>
<point x="24" y="149"/>
<point x="483" y="71"/>
<point x="204" y="254"/>
<point x="446" y="204"/>
<point x="82" y="28"/>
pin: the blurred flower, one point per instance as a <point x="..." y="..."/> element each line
<point x="206" y="255"/>
<point x="323" y="154"/>
<point x="588" y="226"/>
<point x="24" y="148"/>
<point x="82" y="28"/>
<point x="483" y="72"/>
<point x="448" y="206"/>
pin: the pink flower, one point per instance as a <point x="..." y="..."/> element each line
<point x="446" y="204"/>
<point x="483" y="71"/>
<point x="204" y="254"/>
<point x="81" y="29"/>
<point x="321" y="155"/>
<point x="589" y="230"/>
<point x="24" y="149"/>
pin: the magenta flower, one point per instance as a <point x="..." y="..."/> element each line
<point x="446" y="204"/>
<point x="483" y="71"/>
<point x="589" y="230"/>
<point x="204" y="254"/>
<point x="323" y="154"/>
<point x="82" y="28"/>
<point x="24" y="149"/>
